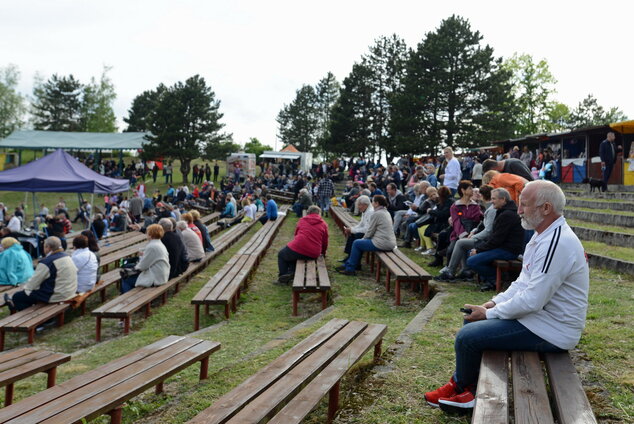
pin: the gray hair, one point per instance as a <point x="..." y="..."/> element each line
<point x="53" y="243"/>
<point x="166" y="223"/>
<point x="313" y="209"/>
<point x="549" y="192"/>
<point x="181" y="225"/>
<point x="502" y="193"/>
<point x="365" y="200"/>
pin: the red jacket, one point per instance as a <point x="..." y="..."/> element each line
<point x="311" y="236"/>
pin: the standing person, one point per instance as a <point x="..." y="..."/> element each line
<point x="154" y="264"/>
<point x="514" y="184"/>
<point x="310" y="241"/>
<point x="207" y="172"/>
<point x="271" y="210"/>
<point x="509" y="166"/>
<point x="607" y="152"/>
<point x="453" y="173"/>
<point x="476" y="173"/>
<point x="168" y="169"/>
<point x="378" y="236"/>
<point x="136" y="206"/>
<point x="155" y="170"/>
<point x="325" y="191"/>
<point x="216" y="171"/>
<point x="526" y="157"/>
<point x="544" y="310"/>
<point x="54" y="280"/>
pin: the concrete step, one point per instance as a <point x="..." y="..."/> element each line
<point x="611" y="187"/>
<point x="609" y="195"/>
<point x="599" y="261"/>
<point x="600" y="217"/>
<point x="607" y="237"/>
<point x="598" y="204"/>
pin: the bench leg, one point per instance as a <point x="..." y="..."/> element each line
<point x="233" y="304"/>
<point x="377" y="349"/>
<point x="60" y="319"/>
<point x="425" y="284"/>
<point x="197" y="317"/>
<point x="204" y="368"/>
<point x="324" y="300"/>
<point x="295" y="301"/>
<point x="397" y="291"/>
<point x="498" y="279"/>
<point x="116" y="415"/>
<point x="31" y="335"/>
<point x="1" y="339"/>
<point x="98" y="329"/>
<point x="227" y="310"/>
<point x="102" y="294"/>
<point x="148" y="309"/>
<point x="159" y="388"/>
<point x="164" y="298"/>
<point x="8" y="394"/>
<point x="52" y="375"/>
<point x="333" y="402"/>
<point x="378" y="271"/>
<point x="83" y="308"/>
<point x="126" y="325"/>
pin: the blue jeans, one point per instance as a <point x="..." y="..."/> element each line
<point x="298" y="209"/>
<point x="492" y="334"/>
<point x="481" y="262"/>
<point x="324" y="203"/>
<point x="358" y="247"/>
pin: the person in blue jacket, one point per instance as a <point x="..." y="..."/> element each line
<point x="271" y="210"/>
<point x="16" y="266"/>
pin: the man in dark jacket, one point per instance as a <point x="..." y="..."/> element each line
<point x="395" y="199"/>
<point x="509" y="166"/>
<point x="175" y="249"/>
<point x="505" y="242"/>
<point x="607" y="152"/>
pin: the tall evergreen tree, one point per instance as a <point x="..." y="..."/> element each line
<point x="12" y="104"/>
<point x="143" y="105"/>
<point x="327" y="91"/>
<point x="58" y="104"/>
<point x="299" y="120"/>
<point x="98" y="98"/>
<point x="185" y="122"/>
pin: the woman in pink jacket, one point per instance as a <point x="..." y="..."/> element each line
<point x="310" y="241"/>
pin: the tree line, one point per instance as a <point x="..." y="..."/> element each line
<point x="450" y="90"/>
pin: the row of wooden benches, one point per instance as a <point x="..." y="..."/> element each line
<point x="397" y="265"/>
<point x="285" y="391"/>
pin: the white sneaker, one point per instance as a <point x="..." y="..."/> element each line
<point x="428" y="252"/>
<point x="418" y="249"/>
<point x="444" y="270"/>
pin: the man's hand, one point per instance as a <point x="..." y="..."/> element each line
<point x="346" y="231"/>
<point x="473" y="252"/>
<point x="489" y="304"/>
<point x="478" y="313"/>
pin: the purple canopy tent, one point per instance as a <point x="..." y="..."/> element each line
<point x="59" y="172"/>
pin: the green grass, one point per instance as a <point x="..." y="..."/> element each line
<point x="593" y="225"/>
<point x="600" y="200"/>
<point x="264" y="315"/>
<point x="616" y="252"/>
<point x="608" y="211"/>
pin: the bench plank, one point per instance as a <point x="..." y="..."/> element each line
<point x="492" y="395"/>
<point x="530" y="399"/>
<point x="571" y="402"/>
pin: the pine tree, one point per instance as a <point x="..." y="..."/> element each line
<point x="299" y="120"/>
<point x="143" y="106"/>
<point x="327" y="91"/>
<point x="58" y="104"/>
<point x="98" y="98"/>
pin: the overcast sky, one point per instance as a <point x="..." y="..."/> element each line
<point x="255" y="54"/>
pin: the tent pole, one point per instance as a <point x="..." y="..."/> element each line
<point x="34" y="207"/>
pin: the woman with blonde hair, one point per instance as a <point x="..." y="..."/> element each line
<point x="154" y="264"/>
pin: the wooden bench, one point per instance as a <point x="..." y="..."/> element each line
<point x="224" y="288"/>
<point x="531" y="399"/>
<point x="29" y="319"/>
<point x="227" y="222"/>
<point x="281" y="195"/>
<point x="403" y="269"/>
<point x="132" y="239"/>
<point x="22" y="363"/>
<point x="123" y="306"/>
<point x="105" y="389"/>
<point x="501" y="266"/>
<point x="342" y="217"/>
<point x="287" y="389"/>
<point x="108" y="279"/>
<point x="311" y="277"/>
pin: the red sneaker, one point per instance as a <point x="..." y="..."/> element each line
<point x="461" y="403"/>
<point x="448" y="390"/>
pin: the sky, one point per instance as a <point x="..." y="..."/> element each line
<point x="256" y="54"/>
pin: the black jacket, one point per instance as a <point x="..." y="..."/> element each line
<point x="176" y="252"/>
<point x="397" y="204"/>
<point x="507" y="232"/>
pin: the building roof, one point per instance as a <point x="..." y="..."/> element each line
<point x="37" y="140"/>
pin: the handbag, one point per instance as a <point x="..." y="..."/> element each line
<point x="425" y="220"/>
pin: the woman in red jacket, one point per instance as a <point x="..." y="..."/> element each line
<point x="310" y="241"/>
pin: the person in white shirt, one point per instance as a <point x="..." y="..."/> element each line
<point x="453" y="173"/>
<point x="15" y="225"/>
<point x="249" y="210"/>
<point x="544" y="310"/>
<point x="193" y="245"/>
<point x="357" y="232"/>
<point x="86" y="263"/>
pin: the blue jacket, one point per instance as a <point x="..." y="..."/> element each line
<point x="230" y="210"/>
<point x="271" y="209"/>
<point x="16" y="266"/>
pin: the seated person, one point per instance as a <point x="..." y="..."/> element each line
<point x="193" y="245"/>
<point x="378" y="236"/>
<point x="230" y="208"/>
<point x="154" y="264"/>
<point x="310" y="241"/>
<point x="16" y="265"/>
<point x="86" y="263"/>
<point x="544" y="310"/>
<point x="506" y="240"/>
<point x="119" y="221"/>
<point x="271" y="210"/>
<point x="203" y="231"/>
<point x="364" y="205"/>
<point x="99" y="226"/>
<point x="304" y="201"/>
<point x="176" y="251"/>
<point x="54" y="280"/>
<point x="249" y="209"/>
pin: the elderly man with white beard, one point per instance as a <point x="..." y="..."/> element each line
<point x="544" y="310"/>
